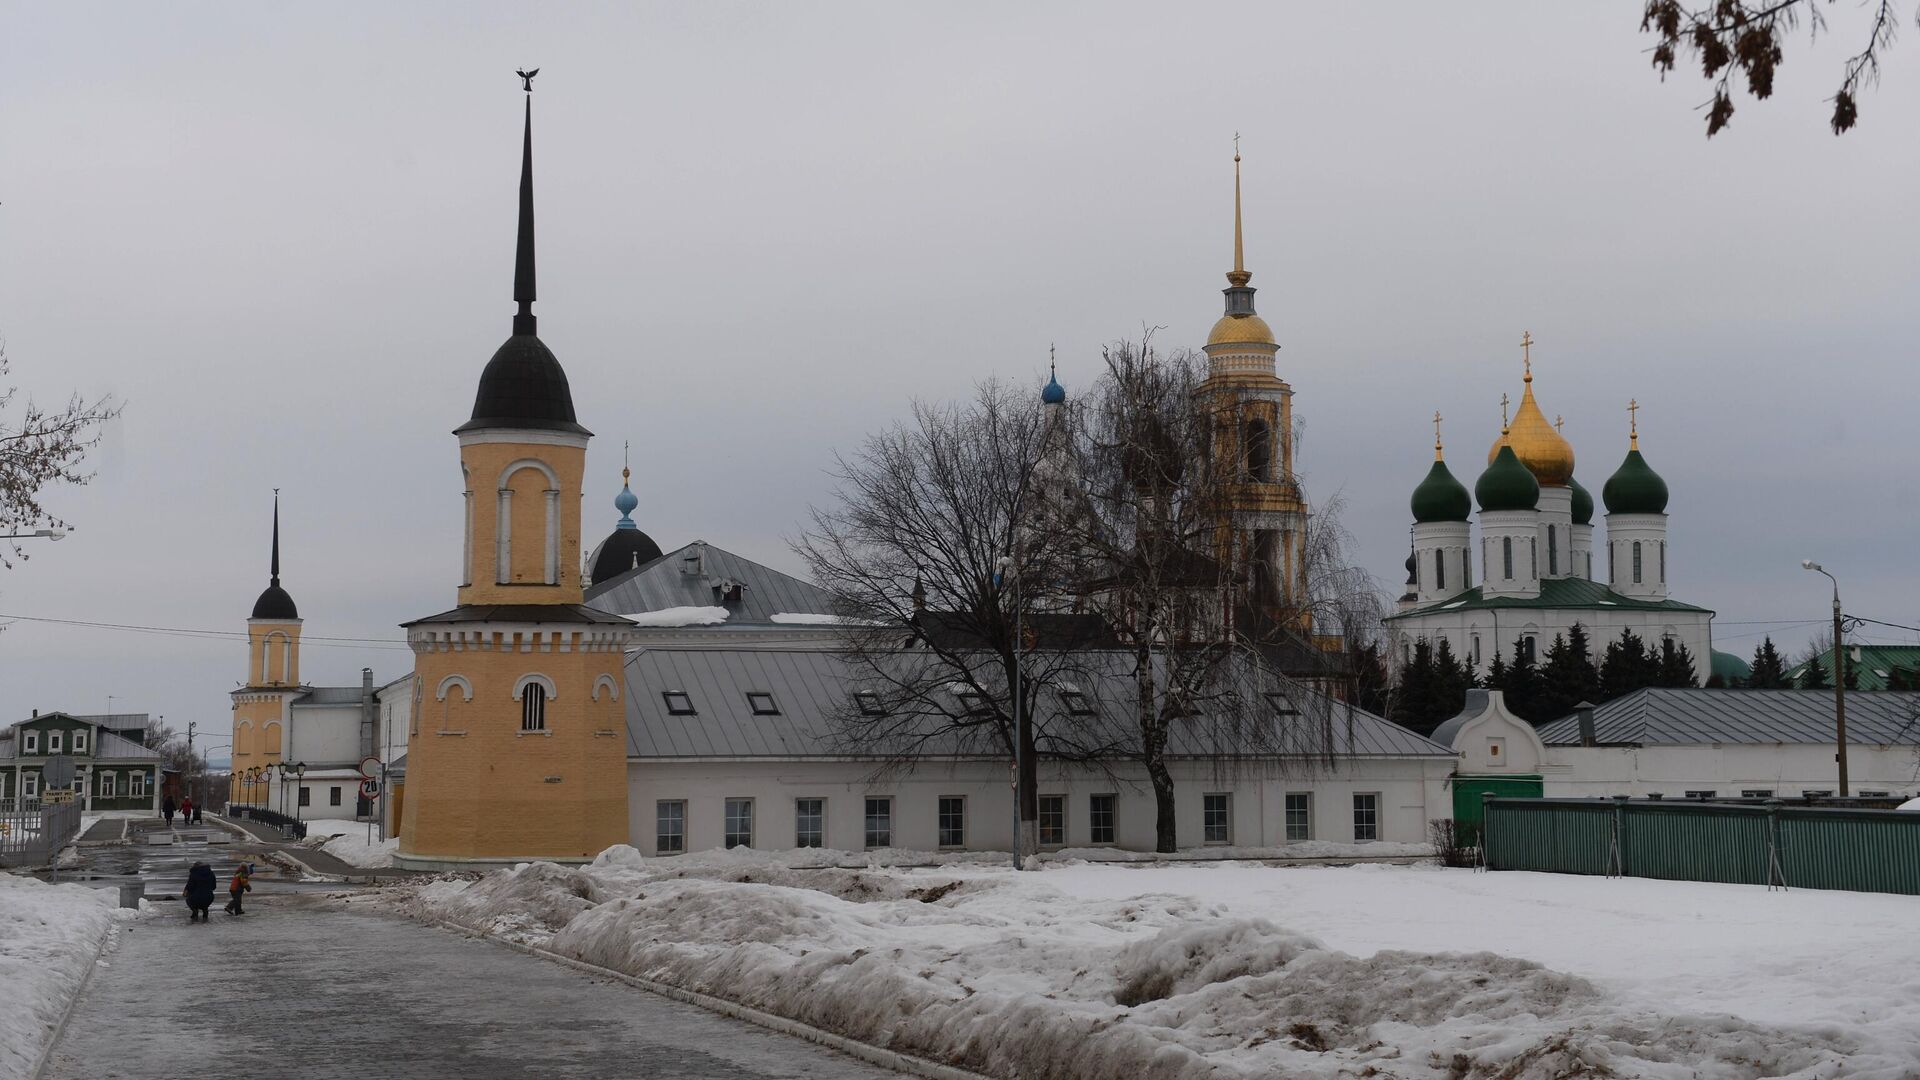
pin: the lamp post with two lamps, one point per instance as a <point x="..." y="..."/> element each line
<point x="1838" y="675"/>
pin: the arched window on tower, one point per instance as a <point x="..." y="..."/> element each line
<point x="1257" y="447"/>
<point x="533" y="707"/>
<point x="1506" y="557"/>
<point x="1439" y="570"/>
<point x="1466" y="569"/>
<point x="1663" y="562"/>
<point x="1553" y="552"/>
<point x="1636" y="562"/>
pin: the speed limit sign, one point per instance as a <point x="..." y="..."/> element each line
<point x="369" y="789"/>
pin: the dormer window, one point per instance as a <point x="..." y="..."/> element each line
<point x="29" y="742"/>
<point x="1076" y="703"/>
<point x="868" y="703"/>
<point x="762" y="703"/>
<point x="678" y="703"/>
<point x="1282" y="703"/>
<point x="79" y="742"/>
<point x="972" y="702"/>
<point x="53" y="742"/>
<point x="731" y="592"/>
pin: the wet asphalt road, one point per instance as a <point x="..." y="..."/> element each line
<point x="299" y="988"/>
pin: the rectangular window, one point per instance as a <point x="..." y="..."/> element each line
<point x="30" y="785"/>
<point x="29" y="742"/>
<point x="1636" y="562"/>
<point x="1875" y="794"/>
<point x="1216" y="819"/>
<point x="79" y="742"/>
<point x="1700" y="794"/>
<point x="1076" y="703"/>
<point x="1466" y="569"/>
<point x="1366" y="817"/>
<point x="761" y="703"/>
<point x="1663" y="562"/>
<point x="1100" y="815"/>
<point x="1756" y="793"/>
<point x="678" y="703"/>
<point x="121" y="787"/>
<point x="953" y="821"/>
<point x="305" y="796"/>
<point x="1476" y="651"/>
<point x="1533" y="556"/>
<point x="869" y="703"/>
<point x="140" y="784"/>
<point x="103" y="786"/>
<point x="739" y="832"/>
<point x="669" y="827"/>
<point x="1815" y="793"/>
<point x="1553" y="551"/>
<point x="1282" y="703"/>
<point x="1506" y="556"/>
<point x="1299" y="815"/>
<point x="879" y="823"/>
<point x="53" y="742"/>
<point x="972" y="702"/>
<point x="1053" y="820"/>
<point x="333" y="795"/>
<point x="533" y="707"/>
<point x="1613" y="564"/>
<point x="809" y="822"/>
<point x="1439" y="569"/>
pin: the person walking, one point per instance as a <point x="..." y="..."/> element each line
<point x="197" y="811"/>
<point x="186" y="809"/>
<point x="199" y="892"/>
<point x="166" y="810"/>
<point x="239" y="886"/>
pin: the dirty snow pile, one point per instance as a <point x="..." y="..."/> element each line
<point x="1103" y="971"/>
<point x="49" y="935"/>
<point x="354" y="849"/>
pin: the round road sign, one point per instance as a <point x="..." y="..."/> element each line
<point x="370" y="768"/>
<point x="369" y="789"/>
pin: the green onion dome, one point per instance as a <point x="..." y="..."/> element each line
<point x="1440" y="497"/>
<point x="1634" y="488"/>
<point x="1582" y="503"/>
<point x="1507" y="484"/>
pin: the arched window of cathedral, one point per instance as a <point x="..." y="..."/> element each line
<point x="1476" y="651"/>
<point x="533" y="708"/>
<point x="1636" y="562"/>
<point x="1257" y="447"/>
<point x="1553" y="552"/>
<point x="1466" y="569"/>
<point x="1533" y="556"/>
<point x="1439" y="569"/>
<point x="1506" y="557"/>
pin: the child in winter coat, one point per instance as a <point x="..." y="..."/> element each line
<point x="237" y="887"/>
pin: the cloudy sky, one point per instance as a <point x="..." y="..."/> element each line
<point x="283" y="237"/>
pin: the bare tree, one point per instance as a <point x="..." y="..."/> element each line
<point x="1747" y="36"/>
<point x="954" y="586"/>
<point x="41" y="447"/>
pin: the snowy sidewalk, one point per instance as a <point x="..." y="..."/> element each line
<point x="49" y="935"/>
<point x="297" y="987"/>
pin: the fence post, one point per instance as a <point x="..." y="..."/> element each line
<point x="1620" y="836"/>
<point x="1486" y="830"/>
<point x="1776" y="875"/>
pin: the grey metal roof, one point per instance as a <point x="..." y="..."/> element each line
<point x="331" y="695"/>
<point x="1693" y="717"/>
<point x="665" y="583"/>
<point x="1476" y="704"/>
<point x="812" y="690"/>
<point x="106" y="745"/>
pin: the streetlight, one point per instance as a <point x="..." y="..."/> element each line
<point x="1839" y="680"/>
<point x="299" y="770"/>
<point x="42" y="534"/>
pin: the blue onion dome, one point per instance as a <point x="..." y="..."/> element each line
<point x="1054" y="393"/>
<point x="1634" y="488"/>
<point x="1507" y="484"/>
<point x="1582" y="503"/>
<point x="626" y="547"/>
<point x="626" y="501"/>
<point x="1440" y="497"/>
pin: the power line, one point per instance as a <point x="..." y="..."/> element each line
<point x="221" y="635"/>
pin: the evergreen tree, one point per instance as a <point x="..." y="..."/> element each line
<point x="1522" y="685"/>
<point x="1676" y="665"/>
<point x="1815" y="677"/>
<point x="1451" y="678"/>
<point x="1370" y="689"/>
<point x="1414" y="704"/>
<point x="1902" y="679"/>
<point x="1769" y="670"/>
<point x="1850" y="671"/>
<point x="1568" y="677"/>
<point x="1627" y="667"/>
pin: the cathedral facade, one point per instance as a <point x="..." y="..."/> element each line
<point x="1539" y="570"/>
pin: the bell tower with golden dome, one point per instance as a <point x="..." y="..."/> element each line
<point x="1263" y="516"/>
<point x="518" y="747"/>
<point x="1549" y="457"/>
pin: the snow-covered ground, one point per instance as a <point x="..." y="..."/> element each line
<point x="349" y="841"/>
<point x="1194" y="970"/>
<point x="48" y="937"/>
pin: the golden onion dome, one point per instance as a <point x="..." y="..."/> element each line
<point x="1535" y="442"/>
<point x="1240" y="330"/>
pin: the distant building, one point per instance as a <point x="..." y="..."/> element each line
<point x="1876" y="667"/>
<point x="113" y="773"/>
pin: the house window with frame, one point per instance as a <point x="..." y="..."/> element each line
<point x="1756" y="793"/>
<point x="739" y="823"/>
<point x="140" y="785"/>
<point x="533" y="707"/>
<point x="1701" y="794"/>
<point x="30" y="785"/>
<point x="1366" y="817"/>
<point x="1100" y="818"/>
<point x="1506" y="557"/>
<point x="29" y="742"/>
<point x="1076" y="703"/>
<point x="103" y="785"/>
<point x="762" y="703"/>
<point x="879" y="822"/>
<point x="809" y="823"/>
<point x="678" y="702"/>
<point x="1299" y="815"/>
<point x="333" y="795"/>
<point x="1053" y="821"/>
<point x="669" y="827"/>
<point x="1216" y="818"/>
<point x="868" y="703"/>
<point x="953" y="821"/>
<point x="79" y="742"/>
<point x="54" y="742"/>
<point x="1816" y="793"/>
<point x="306" y="796"/>
<point x="1636" y="562"/>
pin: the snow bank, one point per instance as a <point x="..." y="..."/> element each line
<point x="679" y="616"/>
<point x="49" y="935"/>
<point x="353" y="848"/>
<point x="322" y="829"/>
<point x="1088" y="971"/>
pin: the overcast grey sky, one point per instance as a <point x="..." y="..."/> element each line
<point x="284" y="237"/>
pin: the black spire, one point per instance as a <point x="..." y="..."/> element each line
<point x="274" y="603"/>
<point x="274" y="573"/>
<point x="523" y="277"/>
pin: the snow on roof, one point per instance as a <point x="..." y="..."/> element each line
<point x="1681" y="717"/>
<point x="679" y="616"/>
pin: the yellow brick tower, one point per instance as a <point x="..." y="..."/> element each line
<point x="1263" y="520"/>
<point x="518" y="747"/>
<point x="260" y="708"/>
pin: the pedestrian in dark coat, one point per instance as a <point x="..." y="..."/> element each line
<point x="199" y="894"/>
<point x="196" y="813"/>
<point x="166" y="810"/>
<point x="240" y="885"/>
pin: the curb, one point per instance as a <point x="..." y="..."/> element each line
<point x="73" y="1004"/>
<point x="867" y="1052"/>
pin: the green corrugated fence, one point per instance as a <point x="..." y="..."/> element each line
<point x="1794" y="846"/>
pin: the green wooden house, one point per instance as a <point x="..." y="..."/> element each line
<point x="113" y="773"/>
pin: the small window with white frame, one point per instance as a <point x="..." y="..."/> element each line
<point x="669" y="827"/>
<point x="953" y="821"/>
<point x="103" y="785"/>
<point x="879" y="822"/>
<point x="29" y="742"/>
<point x="1076" y="703"/>
<point x="79" y="742"/>
<point x="30" y="785"/>
<point x="1101" y="813"/>
<point x="1756" y="793"/>
<point x="1366" y="816"/>
<point x="140" y="785"/>
<point x="1216" y="818"/>
<point x="1053" y="821"/>
<point x="739" y="831"/>
<point x="1299" y="812"/>
<point x="54" y="742"/>
<point x="809" y="823"/>
<point x="1875" y="794"/>
<point x="1701" y="793"/>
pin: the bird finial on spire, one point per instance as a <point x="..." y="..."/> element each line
<point x="1633" y="424"/>
<point x="1238" y="276"/>
<point x="526" y="78"/>
<point x="524" y="290"/>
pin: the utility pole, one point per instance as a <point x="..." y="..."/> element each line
<point x="1839" y="677"/>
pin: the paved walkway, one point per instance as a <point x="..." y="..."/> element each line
<point x="311" y="857"/>
<point x="297" y="987"/>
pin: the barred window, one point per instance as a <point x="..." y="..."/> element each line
<point x="533" y="707"/>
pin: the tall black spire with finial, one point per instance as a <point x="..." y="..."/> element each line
<point x="524" y="387"/>
<point x="274" y="602"/>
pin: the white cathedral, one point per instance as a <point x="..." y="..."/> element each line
<point x="1536" y="554"/>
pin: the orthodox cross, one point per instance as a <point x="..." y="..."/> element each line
<point x="1503" y="414"/>
<point x="1559" y="422"/>
<point x="1436" y="427"/>
<point x="1633" y="418"/>
<point x="526" y="78"/>
<point x="1052" y="373"/>
<point x="1236" y="146"/>
<point x="1526" y="351"/>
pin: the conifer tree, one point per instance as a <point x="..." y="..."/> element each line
<point x="1451" y="678"/>
<point x="1522" y="685"/>
<point x="1628" y="666"/>
<point x="1815" y="676"/>
<point x="1769" y="670"/>
<point x="1568" y="677"/>
<point x="1414" y="704"/>
<point x="1676" y="665"/>
<point x="1850" y="671"/>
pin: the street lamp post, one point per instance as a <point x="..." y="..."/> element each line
<point x="44" y="534"/>
<point x="299" y="769"/>
<point x="1839" y="679"/>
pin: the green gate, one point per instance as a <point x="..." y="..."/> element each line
<point x="1469" y="797"/>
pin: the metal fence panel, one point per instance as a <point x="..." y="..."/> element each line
<point x="1868" y="851"/>
<point x="1695" y="842"/>
<point x="34" y="837"/>
<point x="1561" y="837"/>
